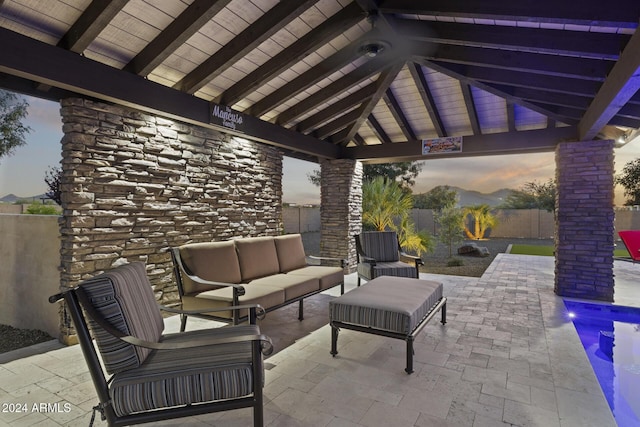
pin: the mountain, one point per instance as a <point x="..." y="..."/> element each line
<point x="470" y="197"/>
<point x="12" y="198"/>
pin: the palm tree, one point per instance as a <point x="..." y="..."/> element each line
<point x="386" y="206"/>
<point x="482" y="220"/>
<point x="382" y="202"/>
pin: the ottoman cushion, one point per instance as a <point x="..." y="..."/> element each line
<point x="395" y="304"/>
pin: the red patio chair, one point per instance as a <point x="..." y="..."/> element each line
<point x="631" y="240"/>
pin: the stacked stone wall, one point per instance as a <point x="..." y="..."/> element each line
<point x="135" y="184"/>
<point x="340" y="208"/>
<point x="585" y="220"/>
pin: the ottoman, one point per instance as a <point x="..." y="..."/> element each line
<point x="395" y="307"/>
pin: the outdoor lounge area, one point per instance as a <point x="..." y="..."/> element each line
<point x="508" y="355"/>
<point x="176" y="118"/>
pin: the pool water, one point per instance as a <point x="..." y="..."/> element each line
<point x="610" y="336"/>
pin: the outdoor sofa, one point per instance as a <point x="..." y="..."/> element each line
<point x="269" y="271"/>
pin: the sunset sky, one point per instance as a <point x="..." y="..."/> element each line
<point x="23" y="173"/>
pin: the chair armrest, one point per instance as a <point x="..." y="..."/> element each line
<point x="236" y="288"/>
<point x="418" y="261"/>
<point x="260" y="311"/>
<point x="311" y="259"/>
<point x="266" y="345"/>
<point x="367" y="260"/>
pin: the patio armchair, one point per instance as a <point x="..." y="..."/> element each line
<point x="155" y="376"/>
<point x="631" y="240"/>
<point x="379" y="254"/>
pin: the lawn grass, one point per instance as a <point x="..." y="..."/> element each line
<point x="548" y="250"/>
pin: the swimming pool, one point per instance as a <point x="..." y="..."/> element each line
<point x="610" y="336"/>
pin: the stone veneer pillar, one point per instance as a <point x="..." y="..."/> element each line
<point x="584" y="220"/>
<point x="135" y="184"/>
<point x="341" y="208"/>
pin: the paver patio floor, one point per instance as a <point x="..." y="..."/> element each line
<point x="507" y="356"/>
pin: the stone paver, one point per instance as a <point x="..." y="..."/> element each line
<point x="507" y="356"/>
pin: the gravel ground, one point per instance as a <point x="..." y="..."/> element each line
<point x="435" y="262"/>
<point x="14" y="338"/>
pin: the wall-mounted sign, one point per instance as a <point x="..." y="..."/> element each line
<point x="450" y="144"/>
<point x="226" y="117"/>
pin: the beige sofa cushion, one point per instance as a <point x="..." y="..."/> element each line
<point x="328" y="276"/>
<point x="290" y="252"/>
<point x="216" y="261"/>
<point x="293" y="286"/>
<point x="266" y="296"/>
<point x="257" y="257"/>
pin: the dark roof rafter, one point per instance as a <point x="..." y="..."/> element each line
<point x="378" y="130"/>
<point x="471" y="107"/>
<point x="396" y="112"/>
<point x="177" y="33"/>
<point x="617" y="13"/>
<point x="93" y="20"/>
<point x="427" y="98"/>
<point x="268" y="24"/>
<point x="315" y="38"/>
<point x="523" y="39"/>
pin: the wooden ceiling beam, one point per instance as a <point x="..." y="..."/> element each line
<point x="363" y="72"/>
<point x="80" y="76"/>
<point x="398" y="115"/>
<point x="520" y="142"/>
<point x="337" y="124"/>
<point x="276" y="18"/>
<point x="551" y="65"/>
<point x="462" y="78"/>
<point x="622" y="83"/>
<point x="617" y="13"/>
<point x="526" y="80"/>
<point x="378" y="129"/>
<point x="337" y="108"/>
<point x="90" y="24"/>
<point x="522" y="39"/>
<point x="471" y="108"/>
<point x="317" y="37"/>
<point x="511" y="116"/>
<point x="427" y="98"/>
<point x="310" y="77"/>
<point x="174" y="35"/>
<point x="382" y="84"/>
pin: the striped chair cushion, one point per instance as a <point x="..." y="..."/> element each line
<point x="123" y="296"/>
<point x="398" y="268"/>
<point x="395" y="304"/>
<point x="187" y="376"/>
<point x="380" y="245"/>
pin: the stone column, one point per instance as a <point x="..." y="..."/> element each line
<point x="341" y="208"/>
<point x="584" y="220"/>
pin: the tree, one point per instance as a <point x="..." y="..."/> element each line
<point x="482" y="218"/>
<point x="52" y="177"/>
<point x="451" y="222"/>
<point x="383" y="202"/>
<point x="12" y="132"/>
<point x="533" y="195"/>
<point x="404" y="173"/>
<point x="385" y="206"/>
<point x="630" y="180"/>
<point x="437" y="198"/>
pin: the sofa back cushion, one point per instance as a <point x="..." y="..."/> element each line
<point x="215" y="261"/>
<point x="290" y="252"/>
<point x="125" y="298"/>
<point x="257" y="257"/>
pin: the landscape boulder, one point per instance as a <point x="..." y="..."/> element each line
<point x="471" y="249"/>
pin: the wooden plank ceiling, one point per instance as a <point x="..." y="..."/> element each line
<point x="335" y="78"/>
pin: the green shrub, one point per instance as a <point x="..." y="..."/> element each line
<point x="40" y="209"/>
<point x="455" y="262"/>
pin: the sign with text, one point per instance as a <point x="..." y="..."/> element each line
<point x="226" y="117"/>
<point x="450" y="144"/>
